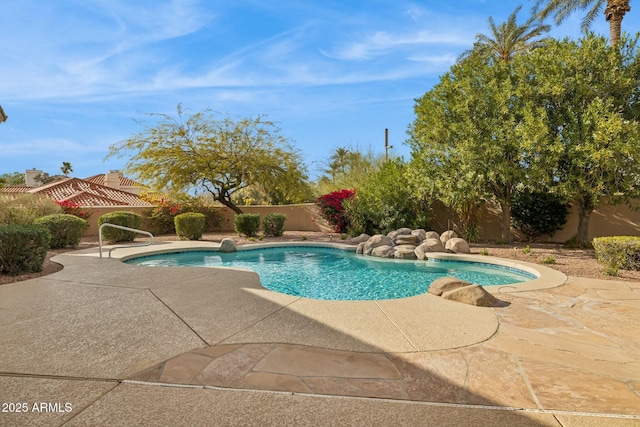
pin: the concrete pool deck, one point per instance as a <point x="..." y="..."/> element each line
<point x="125" y="344"/>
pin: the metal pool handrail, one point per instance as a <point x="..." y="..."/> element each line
<point x="120" y="227"/>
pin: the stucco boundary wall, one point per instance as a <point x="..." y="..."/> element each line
<point x="605" y="221"/>
<point x="302" y="217"/>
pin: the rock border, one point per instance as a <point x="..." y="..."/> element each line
<point x="405" y="243"/>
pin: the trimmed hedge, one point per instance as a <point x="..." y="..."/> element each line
<point x="23" y="248"/>
<point x="246" y="224"/>
<point x="273" y="224"/>
<point x="618" y="252"/>
<point x="190" y="225"/>
<point x="66" y="230"/>
<point x="123" y="218"/>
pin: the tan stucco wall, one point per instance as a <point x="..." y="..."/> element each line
<point x="92" y="230"/>
<point x="605" y="221"/>
<point x="303" y="217"/>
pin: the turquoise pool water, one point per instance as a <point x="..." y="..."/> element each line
<point x="334" y="274"/>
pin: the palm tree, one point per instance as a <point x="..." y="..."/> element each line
<point x="66" y="168"/>
<point x="614" y="11"/>
<point x="509" y="38"/>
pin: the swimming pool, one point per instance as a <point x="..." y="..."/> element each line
<point x="335" y="274"/>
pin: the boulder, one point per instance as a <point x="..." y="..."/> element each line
<point x="446" y="284"/>
<point x="429" y="245"/>
<point x="420" y="233"/>
<point x="361" y="238"/>
<point x="458" y="246"/>
<point x="360" y="248"/>
<point x="374" y="242"/>
<point x="405" y="252"/>
<point x="449" y="234"/>
<point x="407" y="239"/>
<point x="432" y="235"/>
<point x="384" y="251"/>
<point x="227" y="245"/>
<point x="399" y="232"/>
<point x="473" y="295"/>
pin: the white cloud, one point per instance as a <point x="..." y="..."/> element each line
<point x="87" y="48"/>
<point x="48" y="146"/>
<point x="385" y="42"/>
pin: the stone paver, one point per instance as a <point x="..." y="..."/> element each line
<point x="75" y="335"/>
<point x="543" y="357"/>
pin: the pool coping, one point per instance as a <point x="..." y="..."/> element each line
<point x="547" y="278"/>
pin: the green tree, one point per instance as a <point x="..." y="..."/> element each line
<point x="614" y="11"/>
<point x="15" y="178"/>
<point x="66" y="168"/>
<point x="387" y="201"/>
<point x="288" y="186"/>
<point x="474" y="139"/>
<point x="347" y="168"/>
<point x="219" y="155"/>
<point x="590" y="102"/>
<point x="509" y="38"/>
<point x="45" y="178"/>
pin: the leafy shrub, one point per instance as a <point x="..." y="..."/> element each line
<point x="160" y="219"/>
<point x="66" y="230"/>
<point x="538" y="213"/>
<point x="332" y="208"/>
<point x="72" y="208"/>
<point x="273" y="224"/>
<point x="123" y="218"/>
<point x="25" y="208"/>
<point x="386" y="201"/>
<point x="549" y="260"/>
<point x="246" y="224"/>
<point x="23" y="248"/>
<point x="189" y="225"/>
<point x="618" y="252"/>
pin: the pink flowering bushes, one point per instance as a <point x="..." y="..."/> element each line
<point x="332" y="208"/>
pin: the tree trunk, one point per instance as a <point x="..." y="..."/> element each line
<point x="614" y="12"/>
<point x="615" y="30"/>
<point x="505" y="234"/>
<point x="585" y="208"/>
<point x="229" y="204"/>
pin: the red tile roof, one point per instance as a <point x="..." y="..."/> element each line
<point x="124" y="181"/>
<point x="22" y="188"/>
<point x="84" y="193"/>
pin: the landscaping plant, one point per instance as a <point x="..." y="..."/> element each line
<point x="332" y="208"/>
<point x="273" y="224"/>
<point x="190" y="225"/>
<point x="122" y="218"/>
<point x="538" y="213"/>
<point x="66" y="230"/>
<point x="246" y="224"/>
<point x="618" y="252"/>
<point x="160" y="219"/>
<point x="73" y="208"/>
<point x="25" y="208"/>
<point x="23" y="248"/>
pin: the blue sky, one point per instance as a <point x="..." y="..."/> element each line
<point x="74" y="74"/>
